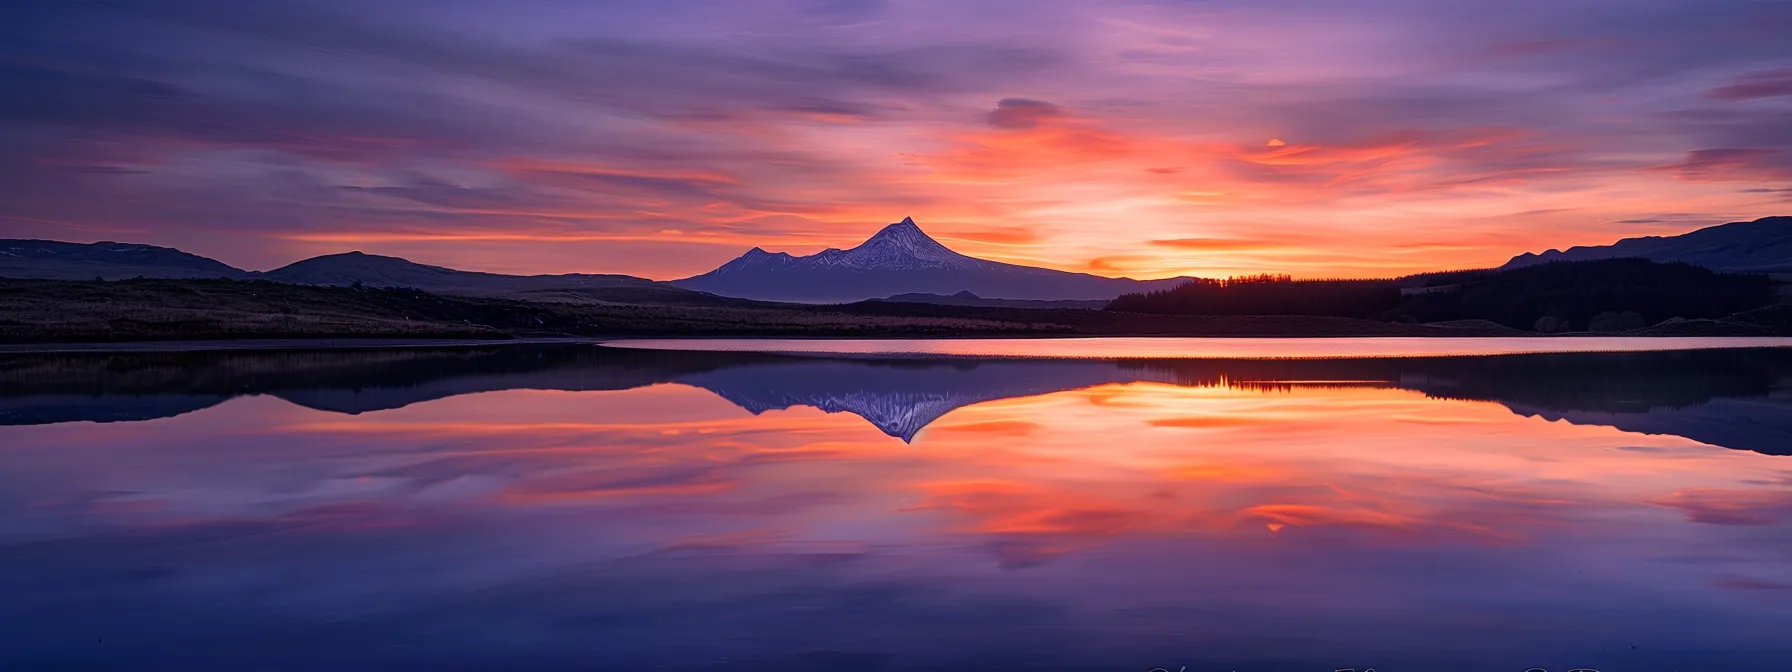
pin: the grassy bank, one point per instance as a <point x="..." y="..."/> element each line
<point x="48" y="311"/>
<point x="43" y="311"/>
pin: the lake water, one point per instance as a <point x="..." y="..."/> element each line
<point x="582" y="507"/>
<point x="1245" y="348"/>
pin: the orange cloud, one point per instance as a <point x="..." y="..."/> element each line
<point x="1004" y="235"/>
<point x="1114" y="263"/>
<point x="1216" y="244"/>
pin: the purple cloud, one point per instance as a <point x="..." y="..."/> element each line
<point x="1021" y="113"/>
<point x="1758" y="85"/>
<point x="237" y="128"/>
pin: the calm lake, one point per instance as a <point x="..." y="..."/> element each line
<point x="1183" y="348"/>
<point x="584" y="507"/>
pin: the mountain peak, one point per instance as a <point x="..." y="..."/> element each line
<point x="903" y="245"/>
<point x="907" y="228"/>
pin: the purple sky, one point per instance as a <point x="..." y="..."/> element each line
<point x="1149" y="138"/>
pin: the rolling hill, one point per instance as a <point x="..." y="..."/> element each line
<point x="374" y="270"/>
<point x="55" y="260"/>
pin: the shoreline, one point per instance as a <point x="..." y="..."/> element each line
<point x="274" y="344"/>
<point x="1202" y="348"/>
<point x="150" y="315"/>
<point x="642" y="342"/>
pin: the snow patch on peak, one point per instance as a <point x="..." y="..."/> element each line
<point x="904" y="245"/>
<point x="906" y="229"/>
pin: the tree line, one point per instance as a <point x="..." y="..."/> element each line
<point x="1558" y="296"/>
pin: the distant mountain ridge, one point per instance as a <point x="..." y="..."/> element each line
<point x="901" y="259"/>
<point x="381" y="271"/>
<point x="900" y="263"/>
<point x="1760" y="246"/>
<point x="55" y="260"/>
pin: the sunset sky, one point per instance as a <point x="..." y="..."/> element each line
<point x="1149" y="138"/>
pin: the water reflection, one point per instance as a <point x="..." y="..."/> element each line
<point x="568" y="506"/>
<point x="1733" y="398"/>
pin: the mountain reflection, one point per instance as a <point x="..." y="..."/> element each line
<point x="1738" y="399"/>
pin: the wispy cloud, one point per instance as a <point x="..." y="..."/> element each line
<point x="581" y="134"/>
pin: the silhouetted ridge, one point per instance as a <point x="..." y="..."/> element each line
<point x="52" y="260"/>
<point x="1760" y="246"/>
<point x="56" y="260"/>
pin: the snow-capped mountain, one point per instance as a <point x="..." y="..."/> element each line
<point x="900" y="259"/>
<point x="898" y="247"/>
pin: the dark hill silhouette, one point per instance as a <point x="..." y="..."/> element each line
<point x="53" y="260"/>
<point x="901" y="259"/>
<point x="381" y="271"/>
<point x="1760" y="246"/>
<point x="56" y="260"/>
<point x="374" y="270"/>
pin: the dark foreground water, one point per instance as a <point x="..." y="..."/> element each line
<point x="582" y="508"/>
